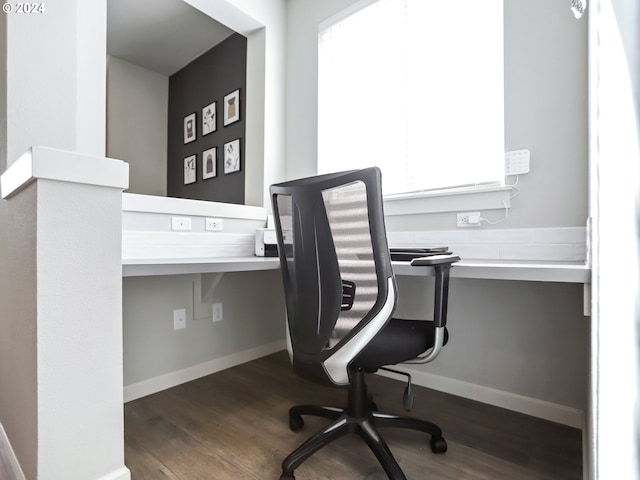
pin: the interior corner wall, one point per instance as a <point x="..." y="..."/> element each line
<point x="208" y="79"/>
<point x="526" y="338"/>
<point x="137" y="124"/>
<point x="253" y="316"/>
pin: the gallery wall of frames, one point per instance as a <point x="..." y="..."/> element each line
<point x="206" y="125"/>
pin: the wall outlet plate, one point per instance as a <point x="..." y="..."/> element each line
<point x="179" y="319"/>
<point x="213" y="225"/>
<point x="181" y="224"/>
<point x="468" y="219"/>
<point x="217" y="312"/>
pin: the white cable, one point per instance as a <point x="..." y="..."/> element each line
<point x="504" y="203"/>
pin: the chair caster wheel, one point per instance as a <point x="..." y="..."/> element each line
<point x="438" y="445"/>
<point x="295" y="423"/>
<point x="373" y="406"/>
<point x="287" y="476"/>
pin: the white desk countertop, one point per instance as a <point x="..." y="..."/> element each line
<point x="177" y="266"/>
<point x="567" y="272"/>
<point x="535" y="271"/>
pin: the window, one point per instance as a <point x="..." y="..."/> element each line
<point x="416" y="88"/>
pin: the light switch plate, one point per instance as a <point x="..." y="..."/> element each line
<point x="181" y="224"/>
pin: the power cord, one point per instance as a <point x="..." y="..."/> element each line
<point x="504" y="203"/>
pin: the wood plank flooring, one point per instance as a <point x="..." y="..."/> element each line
<point x="234" y="425"/>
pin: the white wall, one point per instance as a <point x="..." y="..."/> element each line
<point x="18" y="387"/>
<point x="253" y="316"/>
<point x="524" y="338"/>
<point x="545" y="109"/>
<point x="3" y="96"/>
<point x="137" y="124"/>
<point x="57" y="99"/>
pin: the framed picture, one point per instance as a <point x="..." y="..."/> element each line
<point x="232" y="156"/>
<point x="190" y="128"/>
<point x="190" y="170"/>
<point x="232" y="107"/>
<point x="209" y="119"/>
<point x="209" y="158"/>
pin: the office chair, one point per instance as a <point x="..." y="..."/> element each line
<point x="340" y="295"/>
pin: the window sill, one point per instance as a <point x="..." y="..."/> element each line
<point x="480" y="198"/>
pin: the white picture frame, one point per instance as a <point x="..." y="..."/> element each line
<point x="231" y="107"/>
<point x="190" y="128"/>
<point x="209" y="161"/>
<point x="209" y="119"/>
<point x="190" y="170"/>
<point x="232" y="156"/>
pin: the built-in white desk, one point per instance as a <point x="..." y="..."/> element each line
<point x="180" y="266"/>
<point x="565" y="272"/>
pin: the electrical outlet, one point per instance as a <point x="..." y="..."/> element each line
<point x="179" y="319"/>
<point x="213" y="224"/>
<point x="181" y="224"/>
<point x="468" y="219"/>
<point x="217" y="312"/>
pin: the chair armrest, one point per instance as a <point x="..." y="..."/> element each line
<point x="442" y="264"/>
<point x="433" y="260"/>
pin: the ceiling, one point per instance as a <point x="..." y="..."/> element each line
<point x="160" y="35"/>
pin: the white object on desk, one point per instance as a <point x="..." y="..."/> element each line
<point x="266" y="242"/>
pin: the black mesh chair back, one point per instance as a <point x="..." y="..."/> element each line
<point x="339" y="285"/>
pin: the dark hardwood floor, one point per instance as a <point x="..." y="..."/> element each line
<point x="234" y="425"/>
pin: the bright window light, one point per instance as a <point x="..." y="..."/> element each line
<point x="415" y="87"/>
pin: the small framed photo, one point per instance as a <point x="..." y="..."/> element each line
<point x="190" y="170"/>
<point x="209" y="158"/>
<point x="190" y="128"/>
<point x="232" y="107"/>
<point x="232" y="156"/>
<point x="209" y="119"/>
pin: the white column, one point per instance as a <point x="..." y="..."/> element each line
<point x="63" y="406"/>
<point x="614" y="110"/>
<point x="60" y="228"/>
<point x="56" y="78"/>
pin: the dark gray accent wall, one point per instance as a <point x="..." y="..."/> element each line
<point x="207" y="79"/>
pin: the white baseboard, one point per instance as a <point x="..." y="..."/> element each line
<point x="162" y="382"/>
<point x="554" y="412"/>
<point x="122" y="473"/>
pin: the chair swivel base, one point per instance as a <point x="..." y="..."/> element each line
<point x="358" y="418"/>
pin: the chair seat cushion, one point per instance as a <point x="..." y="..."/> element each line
<point x="399" y="341"/>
